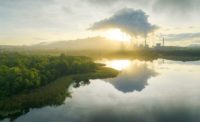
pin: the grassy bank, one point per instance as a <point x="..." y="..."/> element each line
<point x="52" y="94"/>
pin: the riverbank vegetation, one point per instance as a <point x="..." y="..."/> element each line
<point x="36" y="81"/>
<point x="168" y="52"/>
<point x="22" y="73"/>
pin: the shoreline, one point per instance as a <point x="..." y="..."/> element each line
<point x="52" y="94"/>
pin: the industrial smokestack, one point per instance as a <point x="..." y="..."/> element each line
<point x="122" y="48"/>
<point x="145" y="41"/>
<point x="163" y="41"/>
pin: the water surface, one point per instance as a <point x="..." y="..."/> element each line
<point x="144" y="91"/>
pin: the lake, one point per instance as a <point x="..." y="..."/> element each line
<point x="144" y="91"/>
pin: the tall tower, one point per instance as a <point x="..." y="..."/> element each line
<point x="122" y="46"/>
<point x="145" y="42"/>
<point x="163" y="42"/>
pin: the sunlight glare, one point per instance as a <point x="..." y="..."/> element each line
<point x="118" y="64"/>
<point x="117" y="34"/>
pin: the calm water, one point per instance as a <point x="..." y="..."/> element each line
<point x="158" y="91"/>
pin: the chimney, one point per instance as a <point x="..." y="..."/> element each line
<point x="163" y="41"/>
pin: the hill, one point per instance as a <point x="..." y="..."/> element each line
<point x="94" y="43"/>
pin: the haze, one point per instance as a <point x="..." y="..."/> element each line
<point x="26" y="22"/>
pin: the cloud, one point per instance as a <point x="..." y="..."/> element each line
<point x="182" y="36"/>
<point x="113" y="2"/>
<point x="28" y="4"/>
<point x="177" y="7"/>
<point x="54" y="17"/>
<point x="67" y="10"/>
<point x="102" y="2"/>
<point x="133" y="22"/>
<point x="135" y="78"/>
<point x="25" y="13"/>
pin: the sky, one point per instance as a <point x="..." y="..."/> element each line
<point x="25" y="22"/>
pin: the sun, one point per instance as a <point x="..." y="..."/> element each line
<point x="116" y="34"/>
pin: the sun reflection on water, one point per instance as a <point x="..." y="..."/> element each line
<point x="118" y="64"/>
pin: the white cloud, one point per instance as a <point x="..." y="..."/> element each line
<point x="133" y="22"/>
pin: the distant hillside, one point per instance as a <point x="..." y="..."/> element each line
<point x="194" y="46"/>
<point x="95" y="43"/>
<point x="87" y="44"/>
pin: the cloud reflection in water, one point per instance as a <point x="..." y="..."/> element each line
<point x="135" y="77"/>
<point x="172" y="96"/>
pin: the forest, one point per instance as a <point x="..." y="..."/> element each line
<point x="23" y="73"/>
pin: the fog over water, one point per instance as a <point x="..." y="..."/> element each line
<point x="158" y="91"/>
